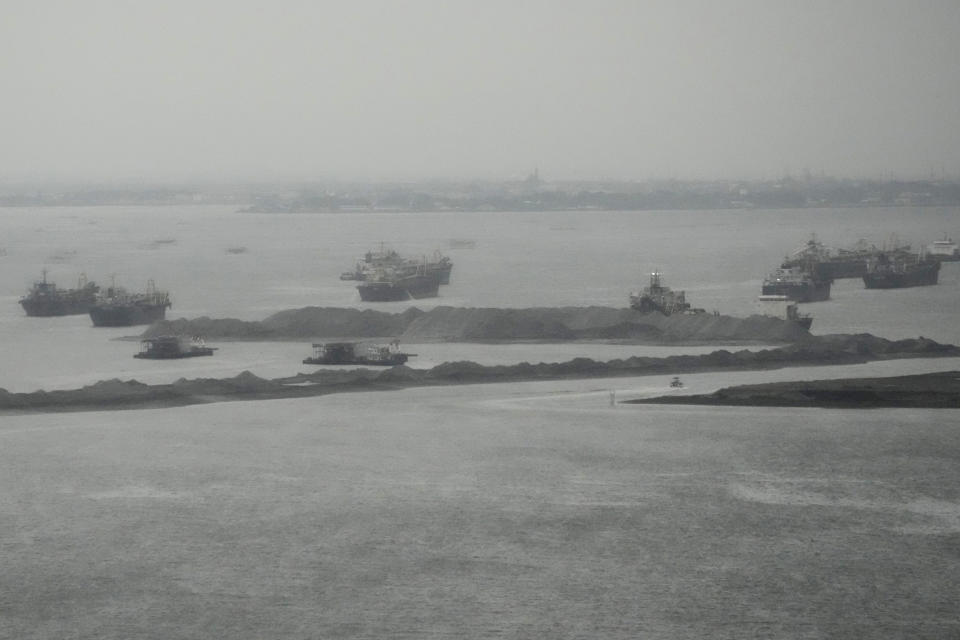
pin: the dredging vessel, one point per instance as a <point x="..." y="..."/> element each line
<point x="657" y="297"/>
<point x="44" y="299"/>
<point x="172" y="347"/>
<point x="887" y="273"/>
<point x="357" y="353"/>
<point x="119" y="308"/>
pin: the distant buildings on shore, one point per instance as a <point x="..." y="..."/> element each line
<point x="532" y="193"/>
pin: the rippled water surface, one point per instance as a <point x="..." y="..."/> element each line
<point x="524" y="511"/>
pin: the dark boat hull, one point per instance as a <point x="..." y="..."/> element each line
<point x="419" y="286"/>
<point x="193" y="353"/>
<point x="443" y="273"/>
<point x="42" y="308"/>
<point x="811" y="291"/>
<point x="390" y="361"/>
<point x="126" y="315"/>
<point x="920" y="275"/>
<point x="834" y="269"/>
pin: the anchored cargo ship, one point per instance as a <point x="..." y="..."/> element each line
<point x="657" y="297"/>
<point x="171" y="347"/>
<point x="119" y="308"/>
<point x="355" y="353"/>
<point x="797" y="284"/>
<point x="45" y="299"/>
<point x="886" y="273"/>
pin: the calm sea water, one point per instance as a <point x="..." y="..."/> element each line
<point x="532" y="510"/>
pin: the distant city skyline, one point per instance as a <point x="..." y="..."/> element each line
<point x="425" y="90"/>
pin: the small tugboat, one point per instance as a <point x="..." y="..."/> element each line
<point x="657" y="297"/>
<point x="45" y="299"/>
<point x="170" y="347"/>
<point x="675" y="383"/>
<point x="119" y="308"/>
<point x="353" y="353"/>
<point x="884" y="273"/>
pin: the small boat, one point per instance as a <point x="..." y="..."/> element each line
<point x="356" y="353"/>
<point x="675" y="383"/>
<point x="170" y="347"/>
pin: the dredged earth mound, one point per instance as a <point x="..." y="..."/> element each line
<point x="117" y="394"/>
<point x="453" y="324"/>
<point x="930" y="390"/>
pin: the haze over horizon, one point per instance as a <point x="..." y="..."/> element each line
<point x="619" y="90"/>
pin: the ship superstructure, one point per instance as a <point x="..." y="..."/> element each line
<point x="357" y="353"/>
<point x="657" y="297"/>
<point x="945" y="250"/>
<point x="173" y="347"/>
<point x="374" y="263"/>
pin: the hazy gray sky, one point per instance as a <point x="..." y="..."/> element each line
<point x="415" y="89"/>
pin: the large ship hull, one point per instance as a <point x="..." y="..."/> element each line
<point x="55" y="307"/>
<point x="443" y="272"/>
<point x="193" y="353"/>
<point x="834" y="269"/>
<point x="919" y="275"/>
<point x="390" y="361"/>
<point x="810" y="291"/>
<point x="418" y="286"/>
<point x="118" y="315"/>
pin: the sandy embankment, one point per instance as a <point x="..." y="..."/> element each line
<point x="116" y="394"/>
<point x="930" y="390"/>
<point x="454" y="324"/>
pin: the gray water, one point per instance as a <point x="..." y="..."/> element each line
<point x="526" y="510"/>
<point x="531" y="510"/>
